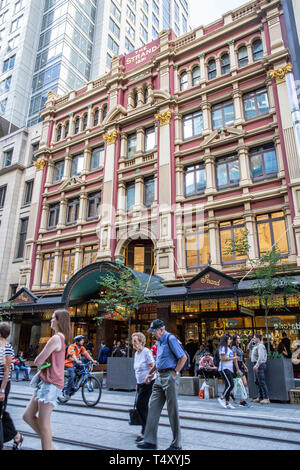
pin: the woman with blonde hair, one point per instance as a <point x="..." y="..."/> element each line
<point x="143" y="363"/>
<point x="51" y="379"/>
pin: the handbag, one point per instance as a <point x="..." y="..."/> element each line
<point x="134" y="416"/>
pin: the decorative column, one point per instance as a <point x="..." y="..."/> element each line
<point x="178" y="128"/>
<point x="57" y="267"/>
<point x="281" y="172"/>
<point x="176" y="80"/>
<point x="121" y="199"/>
<point x="237" y="101"/>
<point x="38" y="269"/>
<point x="78" y="256"/>
<point x="218" y="66"/>
<point x="250" y="226"/>
<point x="214" y="244"/>
<point x="139" y="196"/>
<point x="87" y="161"/>
<point x="250" y="55"/>
<point x="67" y="168"/>
<point x="210" y="174"/>
<point x="189" y="77"/>
<point x="50" y="171"/>
<point x="202" y="68"/>
<point x="62" y="212"/>
<point x="44" y="218"/>
<point x="140" y="96"/>
<point x="180" y="182"/>
<point x="140" y="137"/>
<point x="244" y="165"/>
<point x="232" y="54"/>
<point x="82" y="207"/>
<point x="206" y="115"/>
<point x="123" y="152"/>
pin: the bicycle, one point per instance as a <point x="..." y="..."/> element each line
<point x="91" y="387"/>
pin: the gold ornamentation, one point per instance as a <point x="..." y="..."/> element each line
<point x="164" y="118"/>
<point x="111" y="137"/>
<point x="279" y="74"/>
<point x="39" y="164"/>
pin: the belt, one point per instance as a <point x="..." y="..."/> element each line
<point x="165" y="370"/>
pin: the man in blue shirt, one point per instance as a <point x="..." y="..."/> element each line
<point x="103" y="353"/>
<point x="169" y="361"/>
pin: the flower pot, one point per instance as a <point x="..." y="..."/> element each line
<point x="120" y="373"/>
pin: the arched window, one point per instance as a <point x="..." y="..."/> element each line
<point x="104" y="112"/>
<point x="135" y="99"/>
<point x="225" y="64"/>
<point x="67" y="128"/>
<point x="196" y="76"/>
<point x="257" y="50"/>
<point x="96" y="117"/>
<point x="212" y="69"/>
<point x="77" y="125"/>
<point x="183" y="81"/>
<point x="59" y="129"/>
<point x="85" y="119"/>
<point x="243" y="56"/>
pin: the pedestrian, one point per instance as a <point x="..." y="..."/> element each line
<point x="103" y="353"/>
<point x="191" y="348"/>
<point x="241" y="368"/>
<point x="126" y="350"/>
<point x="207" y="368"/>
<point x="8" y="431"/>
<point x="51" y="379"/>
<point x="259" y="360"/>
<point x="287" y="344"/>
<point x="169" y="362"/>
<point x="226" y="370"/>
<point x="196" y="360"/>
<point x="154" y="349"/>
<point x="117" y="350"/>
<point x="19" y="364"/>
<point x="143" y="363"/>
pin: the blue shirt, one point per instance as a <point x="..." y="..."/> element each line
<point x="103" y="355"/>
<point x="165" y="358"/>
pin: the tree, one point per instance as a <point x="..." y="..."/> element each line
<point x="122" y="293"/>
<point x="269" y="274"/>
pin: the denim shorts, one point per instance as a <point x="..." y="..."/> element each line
<point x="47" y="393"/>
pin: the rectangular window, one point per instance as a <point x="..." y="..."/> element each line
<point x="231" y="230"/>
<point x="114" y="28"/>
<point x="67" y="265"/>
<point x="155" y="20"/>
<point x="34" y="148"/>
<point x="93" y="205"/>
<point x="222" y="114"/>
<point x="89" y="255"/>
<point x="16" y="24"/>
<point x="256" y="103"/>
<point x="130" y="15"/>
<point x="22" y="237"/>
<point x="114" y="47"/>
<point x="5" y="84"/>
<point x="149" y="139"/>
<point x="149" y="191"/>
<point x="145" y="6"/>
<point x="58" y="172"/>
<point x="154" y="33"/>
<point x="47" y="269"/>
<point x="129" y="46"/>
<point x="115" y="11"/>
<point x="144" y="33"/>
<point x="97" y="159"/>
<point x="197" y="247"/>
<point x="131" y="145"/>
<point x="3" y="104"/>
<point x="53" y="215"/>
<point x="144" y="18"/>
<point x="228" y="172"/>
<point x="130" y="195"/>
<point x="72" y="211"/>
<point x="7" y="158"/>
<point x="130" y="30"/>
<point x="2" y="196"/>
<point x="192" y="125"/>
<point x="77" y="165"/>
<point x="271" y="229"/>
<point x="194" y="180"/>
<point x="263" y="162"/>
<point x="28" y="192"/>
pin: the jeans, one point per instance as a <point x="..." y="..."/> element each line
<point x="21" y="367"/>
<point x="260" y="381"/>
<point x="71" y="376"/>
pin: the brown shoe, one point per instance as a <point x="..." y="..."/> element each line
<point x="256" y="400"/>
<point x="265" y="401"/>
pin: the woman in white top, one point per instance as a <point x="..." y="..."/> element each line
<point x="226" y="369"/>
<point x="143" y="362"/>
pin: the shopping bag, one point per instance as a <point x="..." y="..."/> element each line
<point x="205" y="391"/>
<point x="239" y="391"/>
<point x="134" y="416"/>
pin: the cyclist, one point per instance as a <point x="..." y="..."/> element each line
<point x="73" y="362"/>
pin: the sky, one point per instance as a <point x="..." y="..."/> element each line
<point x="203" y="12"/>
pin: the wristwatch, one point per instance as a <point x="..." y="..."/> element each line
<point x="2" y="390"/>
<point x="177" y="373"/>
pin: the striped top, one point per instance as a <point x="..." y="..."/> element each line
<point x="6" y="350"/>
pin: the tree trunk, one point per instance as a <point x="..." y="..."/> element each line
<point x="129" y="322"/>
<point x="267" y="330"/>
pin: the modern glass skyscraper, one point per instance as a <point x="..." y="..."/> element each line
<point x="61" y="44"/>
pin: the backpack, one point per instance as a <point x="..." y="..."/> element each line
<point x="217" y="358"/>
<point x="187" y="363"/>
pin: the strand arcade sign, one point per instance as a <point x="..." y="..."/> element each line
<point x="140" y="56"/>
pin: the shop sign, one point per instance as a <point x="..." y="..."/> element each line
<point x="210" y="280"/>
<point x="23" y="298"/>
<point x="141" y="56"/>
<point x="294" y="326"/>
<point x="247" y="311"/>
<point x="232" y="322"/>
<point x="274" y="321"/>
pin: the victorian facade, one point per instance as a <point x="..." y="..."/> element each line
<point x="181" y="146"/>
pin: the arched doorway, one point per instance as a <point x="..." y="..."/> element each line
<point x="139" y="255"/>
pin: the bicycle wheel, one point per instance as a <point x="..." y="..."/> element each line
<point x="91" y="391"/>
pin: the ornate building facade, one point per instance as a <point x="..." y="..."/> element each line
<point x="181" y="146"/>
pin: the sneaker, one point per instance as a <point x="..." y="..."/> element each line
<point x="174" y="448"/>
<point x="230" y="406"/>
<point x="256" y="400"/>
<point x="222" y="402"/>
<point x="265" y="401"/>
<point x="245" y="404"/>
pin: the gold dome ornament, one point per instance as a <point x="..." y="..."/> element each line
<point x="111" y="137"/>
<point x="279" y="74"/>
<point x="164" y="118"/>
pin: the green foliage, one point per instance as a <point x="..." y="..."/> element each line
<point x="5" y="309"/>
<point x="275" y="355"/>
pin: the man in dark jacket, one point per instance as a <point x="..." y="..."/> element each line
<point x="103" y="353"/>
